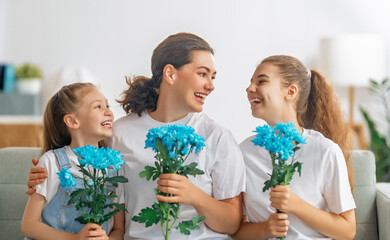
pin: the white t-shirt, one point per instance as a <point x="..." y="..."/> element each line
<point x="221" y="160"/>
<point x="323" y="183"/>
<point x="49" y="187"/>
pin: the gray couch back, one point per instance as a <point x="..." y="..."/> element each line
<point x="14" y="166"/>
<point x="364" y="193"/>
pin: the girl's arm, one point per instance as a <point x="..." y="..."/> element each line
<point x="32" y="227"/>
<point x="119" y="226"/>
<point x="336" y="226"/>
<point x="185" y="192"/>
<point x="276" y="226"/>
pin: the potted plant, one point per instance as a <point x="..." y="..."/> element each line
<point x="379" y="126"/>
<point x="28" y="79"/>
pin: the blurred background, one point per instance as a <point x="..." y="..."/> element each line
<point x="104" y="41"/>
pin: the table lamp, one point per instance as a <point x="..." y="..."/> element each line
<point x="351" y="60"/>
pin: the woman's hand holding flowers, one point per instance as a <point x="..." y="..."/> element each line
<point x="182" y="190"/>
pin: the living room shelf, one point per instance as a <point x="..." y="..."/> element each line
<point x="20" y="104"/>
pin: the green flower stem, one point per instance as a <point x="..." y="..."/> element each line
<point x="167" y="222"/>
<point x="162" y="229"/>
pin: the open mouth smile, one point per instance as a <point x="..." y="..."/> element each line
<point x="107" y="124"/>
<point x="201" y="97"/>
<point x="255" y="101"/>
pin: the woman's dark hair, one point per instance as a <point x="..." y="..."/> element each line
<point x="317" y="105"/>
<point x="65" y="101"/>
<point x="176" y="50"/>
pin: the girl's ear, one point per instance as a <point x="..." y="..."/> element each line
<point x="71" y="121"/>
<point x="292" y="93"/>
<point x="169" y="74"/>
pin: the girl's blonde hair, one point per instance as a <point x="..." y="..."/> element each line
<point x="66" y="100"/>
<point x="317" y="105"/>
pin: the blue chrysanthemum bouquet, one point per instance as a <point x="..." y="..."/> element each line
<point x="92" y="199"/>
<point x="172" y="145"/>
<point x="282" y="141"/>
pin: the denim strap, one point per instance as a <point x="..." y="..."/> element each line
<point x="62" y="159"/>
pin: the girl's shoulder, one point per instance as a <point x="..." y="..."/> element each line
<point x="316" y="138"/>
<point x="249" y="149"/>
<point x="247" y="143"/>
<point x="321" y="146"/>
<point x="49" y="158"/>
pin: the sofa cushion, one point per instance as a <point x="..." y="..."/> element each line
<point x="383" y="203"/>
<point x="363" y="163"/>
<point x="14" y="166"/>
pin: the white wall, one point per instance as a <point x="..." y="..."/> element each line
<point x="116" y="38"/>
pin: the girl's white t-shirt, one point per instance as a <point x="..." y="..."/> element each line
<point x="221" y="160"/>
<point x="49" y="187"/>
<point x="323" y="183"/>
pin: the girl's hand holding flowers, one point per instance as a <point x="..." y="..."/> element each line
<point x="284" y="199"/>
<point x="92" y="231"/>
<point x="281" y="141"/>
<point x="277" y="225"/>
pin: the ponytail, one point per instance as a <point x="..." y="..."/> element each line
<point x="141" y="95"/>
<point x="324" y="115"/>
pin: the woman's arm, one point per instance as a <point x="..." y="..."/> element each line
<point x="36" y="176"/>
<point x="185" y="192"/>
<point x="276" y="226"/>
<point x="336" y="226"/>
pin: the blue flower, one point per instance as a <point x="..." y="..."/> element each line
<point x="280" y="139"/>
<point x="264" y="134"/>
<point x="66" y="178"/>
<point x="289" y="131"/>
<point x="178" y="140"/>
<point x="99" y="158"/>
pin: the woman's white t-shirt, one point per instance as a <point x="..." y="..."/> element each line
<point x="323" y="183"/>
<point x="221" y="160"/>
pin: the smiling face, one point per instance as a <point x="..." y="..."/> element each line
<point x="94" y="116"/>
<point x="194" y="82"/>
<point x="266" y="95"/>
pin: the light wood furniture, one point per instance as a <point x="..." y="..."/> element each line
<point x="21" y="131"/>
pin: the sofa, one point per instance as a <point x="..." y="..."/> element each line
<point x="372" y="199"/>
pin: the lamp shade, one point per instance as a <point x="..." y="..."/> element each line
<point x="353" y="59"/>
